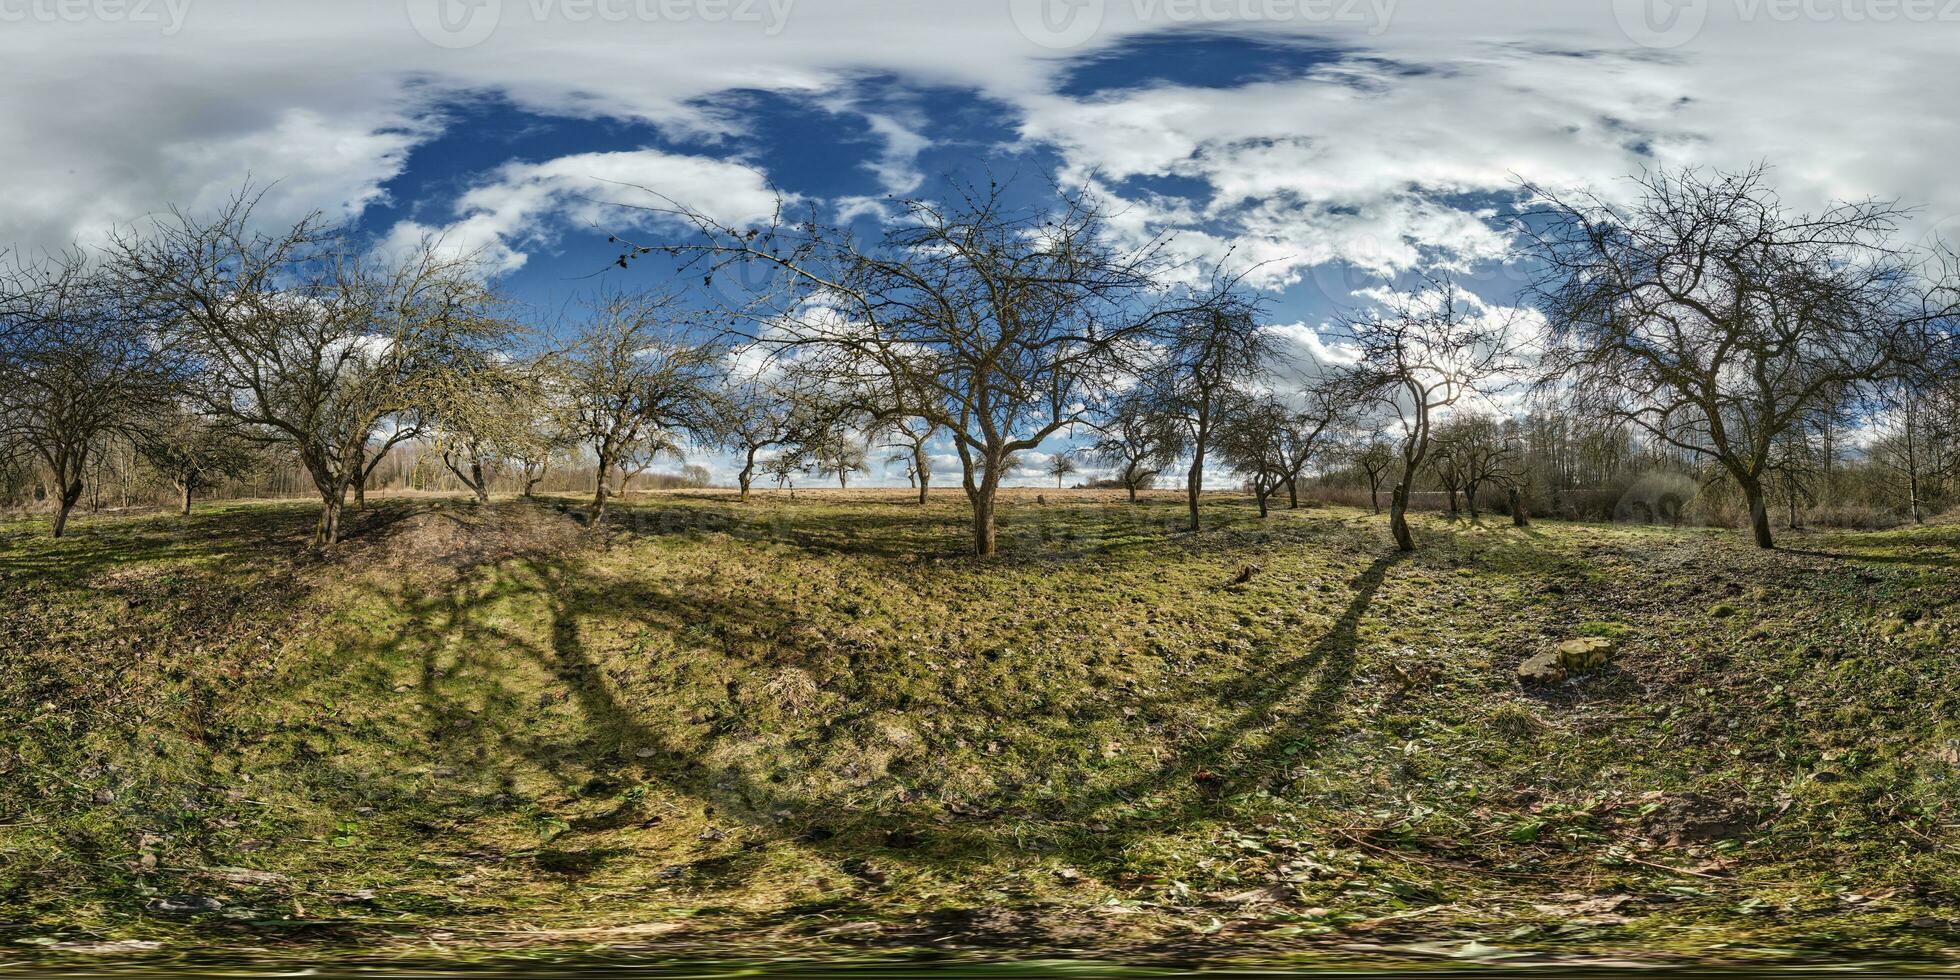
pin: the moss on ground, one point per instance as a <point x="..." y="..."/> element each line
<point x="811" y="725"/>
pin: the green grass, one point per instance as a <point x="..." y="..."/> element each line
<point x="800" y="725"/>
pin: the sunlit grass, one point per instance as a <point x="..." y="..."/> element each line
<point x="721" y="714"/>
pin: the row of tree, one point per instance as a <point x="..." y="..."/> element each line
<point x="207" y="343"/>
<point x="1698" y="320"/>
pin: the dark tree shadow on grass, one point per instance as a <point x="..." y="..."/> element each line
<point x="1278" y="720"/>
<point x="1292" y="712"/>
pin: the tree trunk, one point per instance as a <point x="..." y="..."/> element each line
<point x="1131" y="486"/>
<point x="599" y="494"/>
<point x="1470" y="500"/>
<point x="1752" y="490"/>
<point x="360" y="478"/>
<point x="1518" y="517"/>
<point x="1194" y="483"/>
<point x="1261" y="491"/>
<point x="187" y="486"/>
<point x="744" y="478"/>
<point x="983" y="524"/>
<point x="982" y="498"/>
<point x="1293" y="493"/>
<point x="70" y="496"/>
<point x="925" y="475"/>
<point x="1398" y="517"/>
<point x="1453" y="510"/>
<point x="332" y="501"/>
<point x="477" y="482"/>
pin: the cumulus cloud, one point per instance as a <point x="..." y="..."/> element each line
<point x="1309" y="348"/>
<point x="1387" y="156"/>
<point x="522" y="204"/>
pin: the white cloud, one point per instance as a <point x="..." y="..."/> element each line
<point x="522" y="203"/>
<point x="1309" y="348"/>
<point x="1369" y="158"/>
<point x="897" y="167"/>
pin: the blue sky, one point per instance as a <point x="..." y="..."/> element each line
<point x="1336" y="144"/>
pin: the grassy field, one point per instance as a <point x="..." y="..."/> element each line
<point x="812" y="727"/>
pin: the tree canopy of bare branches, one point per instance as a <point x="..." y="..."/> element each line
<point x="1210" y="363"/>
<point x="1422" y="351"/>
<point x="1003" y="325"/>
<point x="484" y="413"/>
<point x="194" y="449"/>
<point x="1135" y="440"/>
<point x="634" y="377"/>
<point x="1717" y="320"/>
<point x="78" y="364"/>
<point x="748" y="414"/>
<point x="301" y="338"/>
<point x="1253" y="441"/>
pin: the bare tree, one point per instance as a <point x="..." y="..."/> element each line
<point x="80" y="366"/>
<point x="1210" y="361"/>
<point x="1136" y="441"/>
<point x="482" y="412"/>
<point x="1061" y="466"/>
<point x="398" y="428"/>
<point x="1374" y="457"/>
<point x="1716" y="320"/>
<point x="299" y="337"/>
<point x="193" y="449"/>
<point x="1006" y="324"/>
<point x="750" y="415"/>
<point x="1472" y="453"/>
<point x="1515" y="476"/>
<point x="833" y="450"/>
<point x="546" y="430"/>
<point x="1918" y="442"/>
<point x="1328" y="405"/>
<point x="783" y="468"/>
<point x="641" y="454"/>
<point x="633" y="377"/>
<point x="1421" y="352"/>
<point x="1450" y="464"/>
<point x="1254" y="442"/>
<point x="910" y="435"/>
